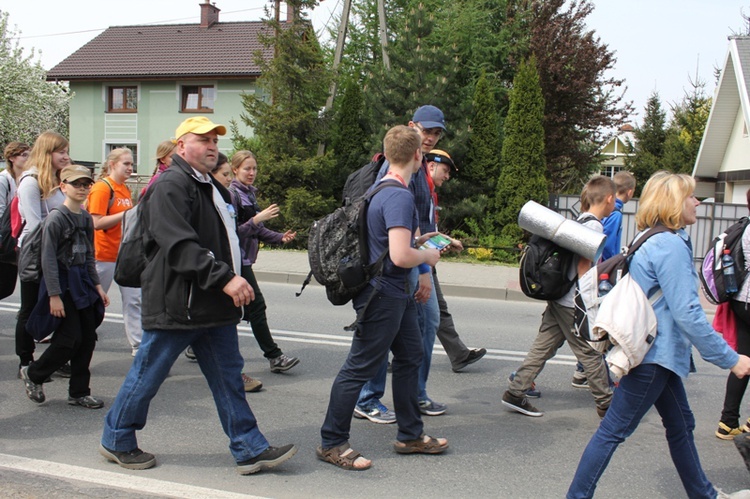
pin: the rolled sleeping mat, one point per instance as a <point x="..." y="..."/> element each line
<point x="569" y="234"/>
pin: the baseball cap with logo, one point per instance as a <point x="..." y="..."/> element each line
<point x="429" y="117"/>
<point x="439" y="156"/>
<point x="71" y="173"/>
<point x="199" y="125"/>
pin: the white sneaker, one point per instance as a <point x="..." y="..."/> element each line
<point x="740" y="494"/>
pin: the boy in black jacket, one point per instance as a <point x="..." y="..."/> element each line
<point x="75" y="295"/>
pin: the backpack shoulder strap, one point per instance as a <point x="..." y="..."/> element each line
<point x="651" y="232"/>
<point x="111" y="195"/>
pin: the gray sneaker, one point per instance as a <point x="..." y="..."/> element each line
<point x="520" y="404"/>
<point x="379" y="414"/>
<point x="34" y="391"/>
<point x="88" y="402"/>
<point x="431" y="408"/>
<point x="282" y="363"/>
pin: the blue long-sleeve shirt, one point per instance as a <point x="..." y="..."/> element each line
<point x="613" y="230"/>
<point x="666" y="261"/>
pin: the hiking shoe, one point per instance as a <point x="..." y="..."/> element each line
<point x="252" y="385"/>
<point x="474" y="355"/>
<point x="532" y="392"/>
<point x="431" y="408"/>
<point x="33" y="391"/>
<point x="740" y="494"/>
<point x="379" y="414"/>
<point x="726" y="433"/>
<point x="64" y="371"/>
<point x="273" y="456"/>
<point x="746" y="427"/>
<point x="580" y="382"/>
<point x="520" y="404"/>
<point x="88" y="402"/>
<point x="190" y="354"/>
<point x="135" y="459"/>
<point x="282" y="364"/>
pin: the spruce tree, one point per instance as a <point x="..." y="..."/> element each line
<point x="686" y="129"/>
<point x="649" y="146"/>
<point x="350" y="133"/>
<point x="482" y="165"/>
<point x="522" y="177"/>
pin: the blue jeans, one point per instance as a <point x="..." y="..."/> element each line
<point x="429" y="320"/>
<point x="218" y="354"/>
<point x="389" y="324"/>
<point x="645" y="386"/>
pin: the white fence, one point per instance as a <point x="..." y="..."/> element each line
<point x="713" y="218"/>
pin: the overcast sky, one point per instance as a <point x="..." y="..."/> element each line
<point x="659" y="44"/>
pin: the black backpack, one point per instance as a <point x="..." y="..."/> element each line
<point x="359" y="181"/>
<point x="30" y="254"/>
<point x="711" y="273"/>
<point x="545" y="268"/>
<point x="338" y="252"/>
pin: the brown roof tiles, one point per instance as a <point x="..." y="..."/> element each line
<point x="167" y="51"/>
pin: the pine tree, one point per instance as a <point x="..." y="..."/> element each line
<point x="523" y="164"/>
<point x="285" y="116"/>
<point x="482" y="165"/>
<point x="649" y="146"/>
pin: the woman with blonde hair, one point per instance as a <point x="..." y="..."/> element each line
<point x="164" y="153"/>
<point x="107" y="203"/>
<point x="665" y="261"/>
<point x="38" y="193"/>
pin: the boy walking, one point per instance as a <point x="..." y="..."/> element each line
<point x="390" y="320"/>
<point x="598" y="199"/>
<point x="625" y="185"/>
<point x="72" y="284"/>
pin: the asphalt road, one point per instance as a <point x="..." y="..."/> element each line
<point x="51" y="450"/>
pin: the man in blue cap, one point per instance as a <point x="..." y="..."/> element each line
<point x="430" y="123"/>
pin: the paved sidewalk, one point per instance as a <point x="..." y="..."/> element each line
<point x="470" y="280"/>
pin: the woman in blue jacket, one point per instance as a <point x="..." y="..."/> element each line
<point x="664" y="261"/>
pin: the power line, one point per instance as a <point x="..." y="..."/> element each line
<point x="141" y="24"/>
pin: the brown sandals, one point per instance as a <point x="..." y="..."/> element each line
<point x="422" y="445"/>
<point x="342" y="456"/>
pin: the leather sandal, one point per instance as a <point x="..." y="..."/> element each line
<point x="425" y="444"/>
<point x="342" y="456"/>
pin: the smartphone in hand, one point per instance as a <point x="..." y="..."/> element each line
<point x="438" y="242"/>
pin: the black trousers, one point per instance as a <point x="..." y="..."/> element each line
<point x="25" y="345"/>
<point x="255" y="313"/>
<point x="736" y="387"/>
<point x="74" y="340"/>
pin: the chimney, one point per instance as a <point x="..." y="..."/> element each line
<point x="290" y="14"/>
<point x="209" y="14"/>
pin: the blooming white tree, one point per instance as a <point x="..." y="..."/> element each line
<point x="29" y="104"/>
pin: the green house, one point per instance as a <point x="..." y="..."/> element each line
<point x="134" y="84"/>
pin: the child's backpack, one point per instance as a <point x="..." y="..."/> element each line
<point x="30" y="254"/>
<point x="360" y="180"/>
<point x="587" y="300"/>
<point x="711" y="273"/>
<point x="545" y="268"/>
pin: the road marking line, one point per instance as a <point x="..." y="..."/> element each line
<point x="117" y="480"/>
<point x="344" y="340"/>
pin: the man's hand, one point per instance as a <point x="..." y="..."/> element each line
<point x="425" y="286"/>
<point x="267" y="214"/>
<point x="240" y="291"/>
<point x="102" y="295"/>
<point x="456" y="245"/>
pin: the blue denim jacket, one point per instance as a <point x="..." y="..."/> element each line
<point x="666" y="261"/>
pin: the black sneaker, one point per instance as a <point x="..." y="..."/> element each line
<point x="474" y="355"/>
<point x="88" y="402"/>
<point x="521" y="404"/>
<point x="282" y="363"/>
<point x="269" y="458"/>
<point x="64" y="371"/>
<point x="135" y="459"/>
<point x="190" y="354"/>
<point x="34" y="391"/>
<point x="429" y="407"/>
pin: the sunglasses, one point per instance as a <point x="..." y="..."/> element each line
<point x="80" y="185"/>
